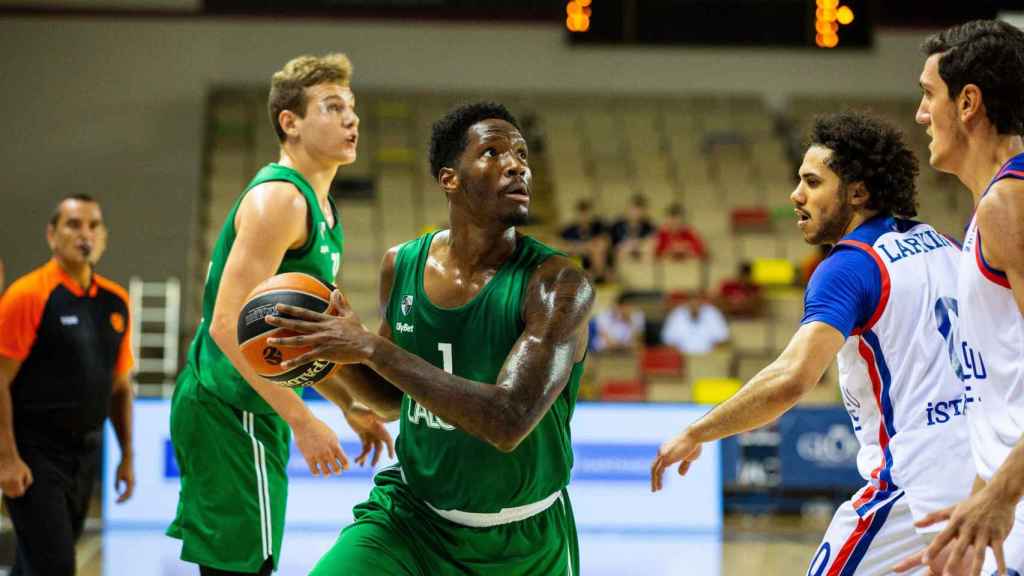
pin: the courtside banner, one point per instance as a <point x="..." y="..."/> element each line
<point x="818" y="450"/>
<point x="613" y="444"/>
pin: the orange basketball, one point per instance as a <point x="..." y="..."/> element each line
<point x="292" y="288"/>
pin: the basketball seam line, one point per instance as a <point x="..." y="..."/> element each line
<point x="263" y="335"/>
<point x="279" y="291"/>
<point x="291" y="290"/>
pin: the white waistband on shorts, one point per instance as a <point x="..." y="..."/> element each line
<point x="491" y="519"/>
<point x="503" y="516"/>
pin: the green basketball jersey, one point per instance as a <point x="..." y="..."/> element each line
<point x="320" y="256"/>
<point x="443" y="465"/>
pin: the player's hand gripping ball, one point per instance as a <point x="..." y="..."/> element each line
<point x="292" y="288"/>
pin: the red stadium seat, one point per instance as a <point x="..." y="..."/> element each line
<point x="661" y="361"/>
<point x="752" y="219"/>
<point x="623" y="390"/>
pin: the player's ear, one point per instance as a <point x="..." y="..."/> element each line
<point x="448" y="179"/>
<point x="969" y="103"/>
<point x="858" y="195"/>
<point x="289" y="121"/>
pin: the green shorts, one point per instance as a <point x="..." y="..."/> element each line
<point x="234" y="486"/>
<point x="396" y="534"/>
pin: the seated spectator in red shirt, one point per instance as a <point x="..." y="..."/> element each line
<point x="677" y="240"/>
<point x="633" y="235"/>
<point x="740" y="296"/>
<point x="587" y="238"/>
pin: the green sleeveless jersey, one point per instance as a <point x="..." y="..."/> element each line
<point x="441" y="464"/>
<point x="320" y="256"/>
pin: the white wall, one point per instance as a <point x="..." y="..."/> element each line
<point x="114" y="107"/>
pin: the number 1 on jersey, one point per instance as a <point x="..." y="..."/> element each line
<point x="446" y="356"/>
<point x="418" y="413"/>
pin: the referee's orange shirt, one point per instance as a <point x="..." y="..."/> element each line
<point x="71" y="344"/>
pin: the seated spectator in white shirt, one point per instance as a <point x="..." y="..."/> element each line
<point x="619" y="328"/>
<point x="695" y="327"/>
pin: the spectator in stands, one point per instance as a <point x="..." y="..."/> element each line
<point x="633" y="235"/>
<point x="676" y="240"/>
<point x="740" y="296"/>
<point x="695" y="326"/>
<point x="619" y="328"/>
<point x="587" y="238"/>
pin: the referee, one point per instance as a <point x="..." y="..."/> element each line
<point x="65" y="358"/>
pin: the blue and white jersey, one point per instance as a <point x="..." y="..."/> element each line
<point x="890" y="288"/>
<point x="992" y="348"/>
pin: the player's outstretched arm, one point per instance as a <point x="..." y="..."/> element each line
<point x="768" y="395"/>
<point x="270" y="220"/>
<point x="366" y="385"/>
<point x="984" y="520"/>
<point x="556" y="310"/>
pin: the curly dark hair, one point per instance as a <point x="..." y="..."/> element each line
<point x="866" y="149"/>
<point x="448" y="137"/>
<point x="989" y="54"/>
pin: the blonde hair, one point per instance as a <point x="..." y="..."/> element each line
<point x="288" y="85"/>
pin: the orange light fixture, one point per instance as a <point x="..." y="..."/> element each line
<point x="577" y="15"/>
<point x="845" y="15"/>
<point x="828" y="16"/>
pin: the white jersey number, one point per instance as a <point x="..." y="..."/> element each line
<point x="418" y="413"/>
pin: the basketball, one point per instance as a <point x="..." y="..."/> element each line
<point x="296" y="289"/>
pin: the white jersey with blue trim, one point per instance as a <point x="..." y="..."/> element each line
<point x="991" y="350"/>
<point x="905" y="400"/>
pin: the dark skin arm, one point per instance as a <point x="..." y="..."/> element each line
<point x="366" y="385"/>
<point x="556" y="310"/>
